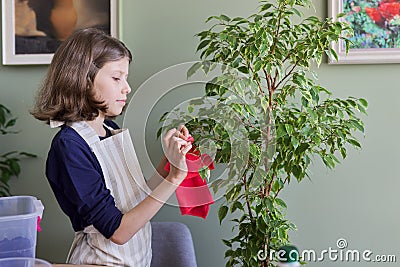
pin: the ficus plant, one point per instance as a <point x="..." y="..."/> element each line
<point x="9" y="161"/>
<point x="266" y="119"/>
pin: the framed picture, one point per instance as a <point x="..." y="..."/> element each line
<point x="376" y="26"/>
<point x="33" y="29"/>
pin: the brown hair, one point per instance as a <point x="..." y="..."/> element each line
<point x="67" y="92"/>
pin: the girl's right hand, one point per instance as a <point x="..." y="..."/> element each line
<point x="175" y="149"/>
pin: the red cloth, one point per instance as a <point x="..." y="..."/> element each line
<point x="193" y="194"/>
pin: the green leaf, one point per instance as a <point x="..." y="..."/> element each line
<point x="261" y="225"/>
<point x="9" y="153"/>
<point x="236" y="62"/>
<point x="243" y="69"/>
<point x="159" y="132"/>
<point x="303" y="147"/>
<point x="193" y="69"/>
<point x="304" y="102"/>
<point x="296" y="170"/>
<point x="227" y="243"/>
<point x="254" y="51"/>
<point x="363" y="102"/>
<point x="2" y="118"/>
<point x="352" y="102"/>
<point x="268" y="203"/>
<point x="354" y="142"/>
<point x="10" y="123"/>
<point x="289" y="128"/>
<point x="361" y="108"/>
<point x="215" y="185"/>
<point x="343" y="152"/>
<point x="266" y="7"/>
<point x="316" y="140"/>
<point x="190" y="108"/>
<point x="254" y="150"/>
<point x="334" y="158"/>
<point x="223" y="36"/>
<point x="258" y="208"/>
<point x="197" y="101"/>
<point x="250" y="109"/>
<point x="225" y="18"/>
<point x="275" y="186"/>
<point x="347" y="44"/>
<point x="15" y="168"/>
<point x="5" y="176"/>
<point x="328" y="161"/>
<point x="258" y="65"/>
<point x="282" y="234"/>
<point x="236" y="205"/>
<point x="163" y="116"/>
<point x="240" y="87"/>
<point x="334" y="54"/>
<point x="202" y="34"/>
<point x="28" y="154"/>
<point x="294" y="142"/>
<point x="237" y="108"/>
<point x="358" y="124"/>
<point x="210" y="18"/>
<point x="260" y="33"/>
<point x="203" y="44"/>
<point x="204" y="173"/>
<point x="297" y="12"/>
<point x="222" y="212"/>
<point x="281" y="131"/>
<point x="281" y="203"/>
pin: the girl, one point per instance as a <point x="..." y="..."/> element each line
<point x="92" y="166"/>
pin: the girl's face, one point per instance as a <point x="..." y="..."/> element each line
<point x="111" y="85"/>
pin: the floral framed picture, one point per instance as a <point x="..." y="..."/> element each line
<point x="33" y="29"/>
<point x="376" y="26"/>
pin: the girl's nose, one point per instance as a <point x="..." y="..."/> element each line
<point x="127" y="88"/>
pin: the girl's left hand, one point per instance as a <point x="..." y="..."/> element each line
<point x="175" y="149"/>
<point x="184" y="131"/>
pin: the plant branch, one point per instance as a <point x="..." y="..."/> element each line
<point x="277" y="31"/>
<point x="275" y="79"/>
<point x="257" y="79"/>
<point x="247" y="198"/>
<point x="279" y="190"/>
<point x="269" y="80"/>
<point x="268" y="186"/>
<point x="288" y="74"/>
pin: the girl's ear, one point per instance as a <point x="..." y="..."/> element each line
<point x="91" y="75"/>
<point x="89" y="83"/>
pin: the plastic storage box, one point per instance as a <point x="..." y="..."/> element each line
<point x="23" y="262"/>
<point x="18" y="226"/>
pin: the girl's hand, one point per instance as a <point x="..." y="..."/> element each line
<point x="175" y="149"/>
<point x="183" y="130"/>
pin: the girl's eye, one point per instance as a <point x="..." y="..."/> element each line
<point x="116" y="79"/>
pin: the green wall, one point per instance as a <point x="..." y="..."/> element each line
<point x="357" y="201"/>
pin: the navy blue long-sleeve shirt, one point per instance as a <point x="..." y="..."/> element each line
<point x="76" y="178"/>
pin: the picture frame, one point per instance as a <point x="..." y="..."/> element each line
<point x="37" y="35"/>
<point x="375" y="40"/>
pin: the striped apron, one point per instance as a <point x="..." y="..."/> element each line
<point x="124" y="178"/>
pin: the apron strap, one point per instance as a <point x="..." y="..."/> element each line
<point x="108" y="127"/>
<point x="85" y="131"/>
<point x="113" y="131"/>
